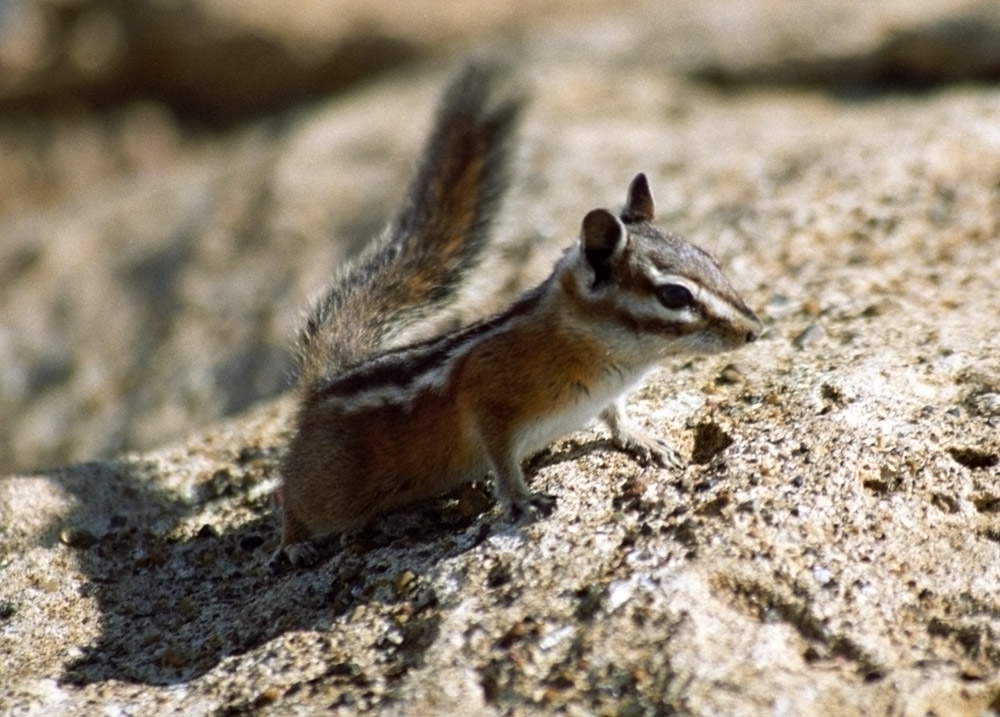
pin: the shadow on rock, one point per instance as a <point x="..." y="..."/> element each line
<point x="177" y="595"/>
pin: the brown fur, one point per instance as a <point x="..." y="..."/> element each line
<point x="397" y="453"/>
<point x="340" y="486"/>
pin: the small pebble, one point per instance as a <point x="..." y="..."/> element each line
<point x="813" y="333"/>
<point x="77" y="538"/>
<point x="393" y="637"/>
<point x="619" y="593"/>
<point x="987" y="404"/>
<point x="403" y="581"/>
<point x="730" y="374"/>
<point x="779" y="306"/>
<point x="268" y="696"/>
<point x="821" y="574"/>
<point x="472" y="501"/>
<point x="811" y="307"/>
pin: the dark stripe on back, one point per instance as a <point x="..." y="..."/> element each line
<point x="400" y="366"/>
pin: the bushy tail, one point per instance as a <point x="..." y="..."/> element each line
<point x="416" y="267"/>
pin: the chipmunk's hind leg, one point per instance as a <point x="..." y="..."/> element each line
<point x="508" y="484"/>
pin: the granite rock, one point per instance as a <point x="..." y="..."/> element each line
<point x="832" y="545"/>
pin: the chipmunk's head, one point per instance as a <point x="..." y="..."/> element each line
<point x="655" y="284"/>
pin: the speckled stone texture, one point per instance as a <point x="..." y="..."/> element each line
<point x="831" y="547"/>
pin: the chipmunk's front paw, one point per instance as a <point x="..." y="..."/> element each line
<point x="531" y="507"/>
<point x="649" y="449"/>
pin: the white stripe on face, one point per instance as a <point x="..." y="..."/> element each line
<point x="720" y="308"/>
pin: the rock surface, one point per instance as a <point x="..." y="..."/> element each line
<point x="831" y="547"/>
<point x="118" y="223"/>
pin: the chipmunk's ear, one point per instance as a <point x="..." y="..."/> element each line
<point x="602" y="237"/>
<point x="639" y="205"/>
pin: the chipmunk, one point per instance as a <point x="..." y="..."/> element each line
<point x="382" y="425"/>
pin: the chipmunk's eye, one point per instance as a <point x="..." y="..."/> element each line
<point x="675" y="296"/>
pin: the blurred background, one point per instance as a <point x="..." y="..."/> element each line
<point x="178" y="176"/>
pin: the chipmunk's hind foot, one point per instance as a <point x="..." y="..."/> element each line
<point x="296" y="555"/>
<point x="531" y="507"/>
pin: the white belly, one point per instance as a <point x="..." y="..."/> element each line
<point x="573" y="416"/>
